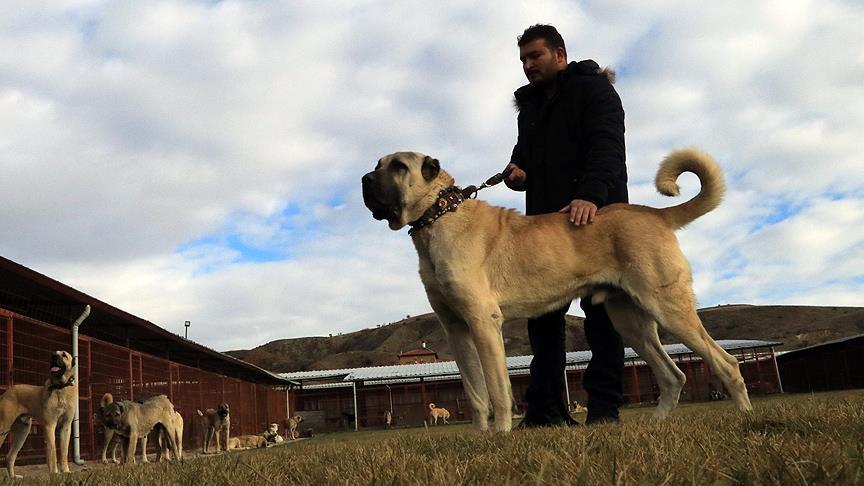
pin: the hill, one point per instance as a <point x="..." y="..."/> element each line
<point x="794" y="326"/>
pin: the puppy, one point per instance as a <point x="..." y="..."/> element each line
<point x="135" y="421"/>
<point x="291" y="425"/>
<point x="482" y="265"/>
<point x="437" y="412"/>
<point x="214" y="422"/>
<point x="388" y="419"/>
<point x="52" y="405"/>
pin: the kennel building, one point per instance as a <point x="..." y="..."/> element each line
<point x="349" y="399"/>
<point x="834" y="365"/>
<point x="125" y="355"/>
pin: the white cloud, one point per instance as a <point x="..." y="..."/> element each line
<point x="201" y="160"/>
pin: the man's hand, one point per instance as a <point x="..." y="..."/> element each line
<point x="581" y="211"/>
<point x="516" y="179"/>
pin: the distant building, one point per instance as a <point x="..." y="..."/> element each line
<point x="348" y="399"/>
<point x="835" y="365"/>
<point x="417" y="356"/>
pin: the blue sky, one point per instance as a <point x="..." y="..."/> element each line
<point x="201" y="161"/>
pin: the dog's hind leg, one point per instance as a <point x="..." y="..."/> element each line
<point x="639" y="330"/>
<point x="675" y="310"/>
<point x="20" y="429"/>
<point x="468" y="362"/>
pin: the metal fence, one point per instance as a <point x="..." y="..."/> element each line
<point x="26" y="345"/>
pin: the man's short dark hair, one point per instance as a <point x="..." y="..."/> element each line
<point x="542" y="31"/>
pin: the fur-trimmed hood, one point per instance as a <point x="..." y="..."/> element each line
<point x="588" y="67"/>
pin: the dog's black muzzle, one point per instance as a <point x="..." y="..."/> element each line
<point x="58" y="366"/>
<point x="380" y="210"/>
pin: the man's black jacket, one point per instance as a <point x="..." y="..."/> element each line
<point x="572" y="145"/>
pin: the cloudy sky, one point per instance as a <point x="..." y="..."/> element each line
<point x="201" y="161"/>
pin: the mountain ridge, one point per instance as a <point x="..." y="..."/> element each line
<point x="794" y="326"/>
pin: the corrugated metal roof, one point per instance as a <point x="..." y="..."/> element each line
<point x="515" y="364"/>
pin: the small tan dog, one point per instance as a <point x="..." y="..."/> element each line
<point x="247" y="442"/>
<point x="291" y="425"/>
<point x="437" y="412"/>
<point x="577" y="408"/>
<point x="176" y="429"/>
<point x="481" y="265"/>
<point x="388" y="419"/>
<point x="214" y="422"/>
<point x="52" y="405"/>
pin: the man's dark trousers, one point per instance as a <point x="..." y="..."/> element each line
<point x="602" y="379"/>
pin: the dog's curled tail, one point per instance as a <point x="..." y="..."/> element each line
<point x="710" y="177"/>
<point x="431" y="406"/>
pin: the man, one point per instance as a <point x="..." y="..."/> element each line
<point x="569" y="157"/>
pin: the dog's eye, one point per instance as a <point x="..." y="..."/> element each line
<point x="398" y="165"/>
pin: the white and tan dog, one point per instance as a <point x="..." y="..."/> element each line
<point x="482" y="264"/>
<point x="52" y="405"/>
<point x="438" y="412"/>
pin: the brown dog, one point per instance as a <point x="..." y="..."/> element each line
<point x="135" y="421"/>
<point x="214" y="422"/>
<point x="482" y="264"/>
<point x="247" y="442"/>
<point x="291" y="425"/>
<point x="437" y="412"/>
<point x="52" y="405"/>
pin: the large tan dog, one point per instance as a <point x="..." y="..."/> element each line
<point x="482" y="264"/>
<point x="438" y="412"/>
<point x="214" y="422"/>
<point x="52" y="405"/>
<point x="135" y="421"/>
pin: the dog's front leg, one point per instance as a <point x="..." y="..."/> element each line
<point x="485" y="323"/>
<point x="227" y="433"/>
<point x="109" y="437"/>
<point x="467" y="360"/>
<point x="133" y="444"/>
<point x="65" y="434"/>
<point x="50" y="430"/>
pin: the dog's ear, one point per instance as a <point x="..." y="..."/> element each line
<point x="107" y="399"/>
<point x="430" y="168"/>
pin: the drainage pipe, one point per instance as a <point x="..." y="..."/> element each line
<point x="76" y="424"/>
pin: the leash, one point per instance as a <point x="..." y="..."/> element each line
<point x="470" y="192"/>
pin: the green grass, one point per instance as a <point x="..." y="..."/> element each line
<point x="793" y="439"/>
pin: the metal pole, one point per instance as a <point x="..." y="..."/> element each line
<point x="76" y="424"/>
<point x="776" y="369"/>
<point x="390" y="392"/>
<point x="567" y="391"/>
<point x="356" y="418"/>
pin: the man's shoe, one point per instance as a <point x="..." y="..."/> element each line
<point x="601" y="419"/>
<point x="548" y="419"/>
